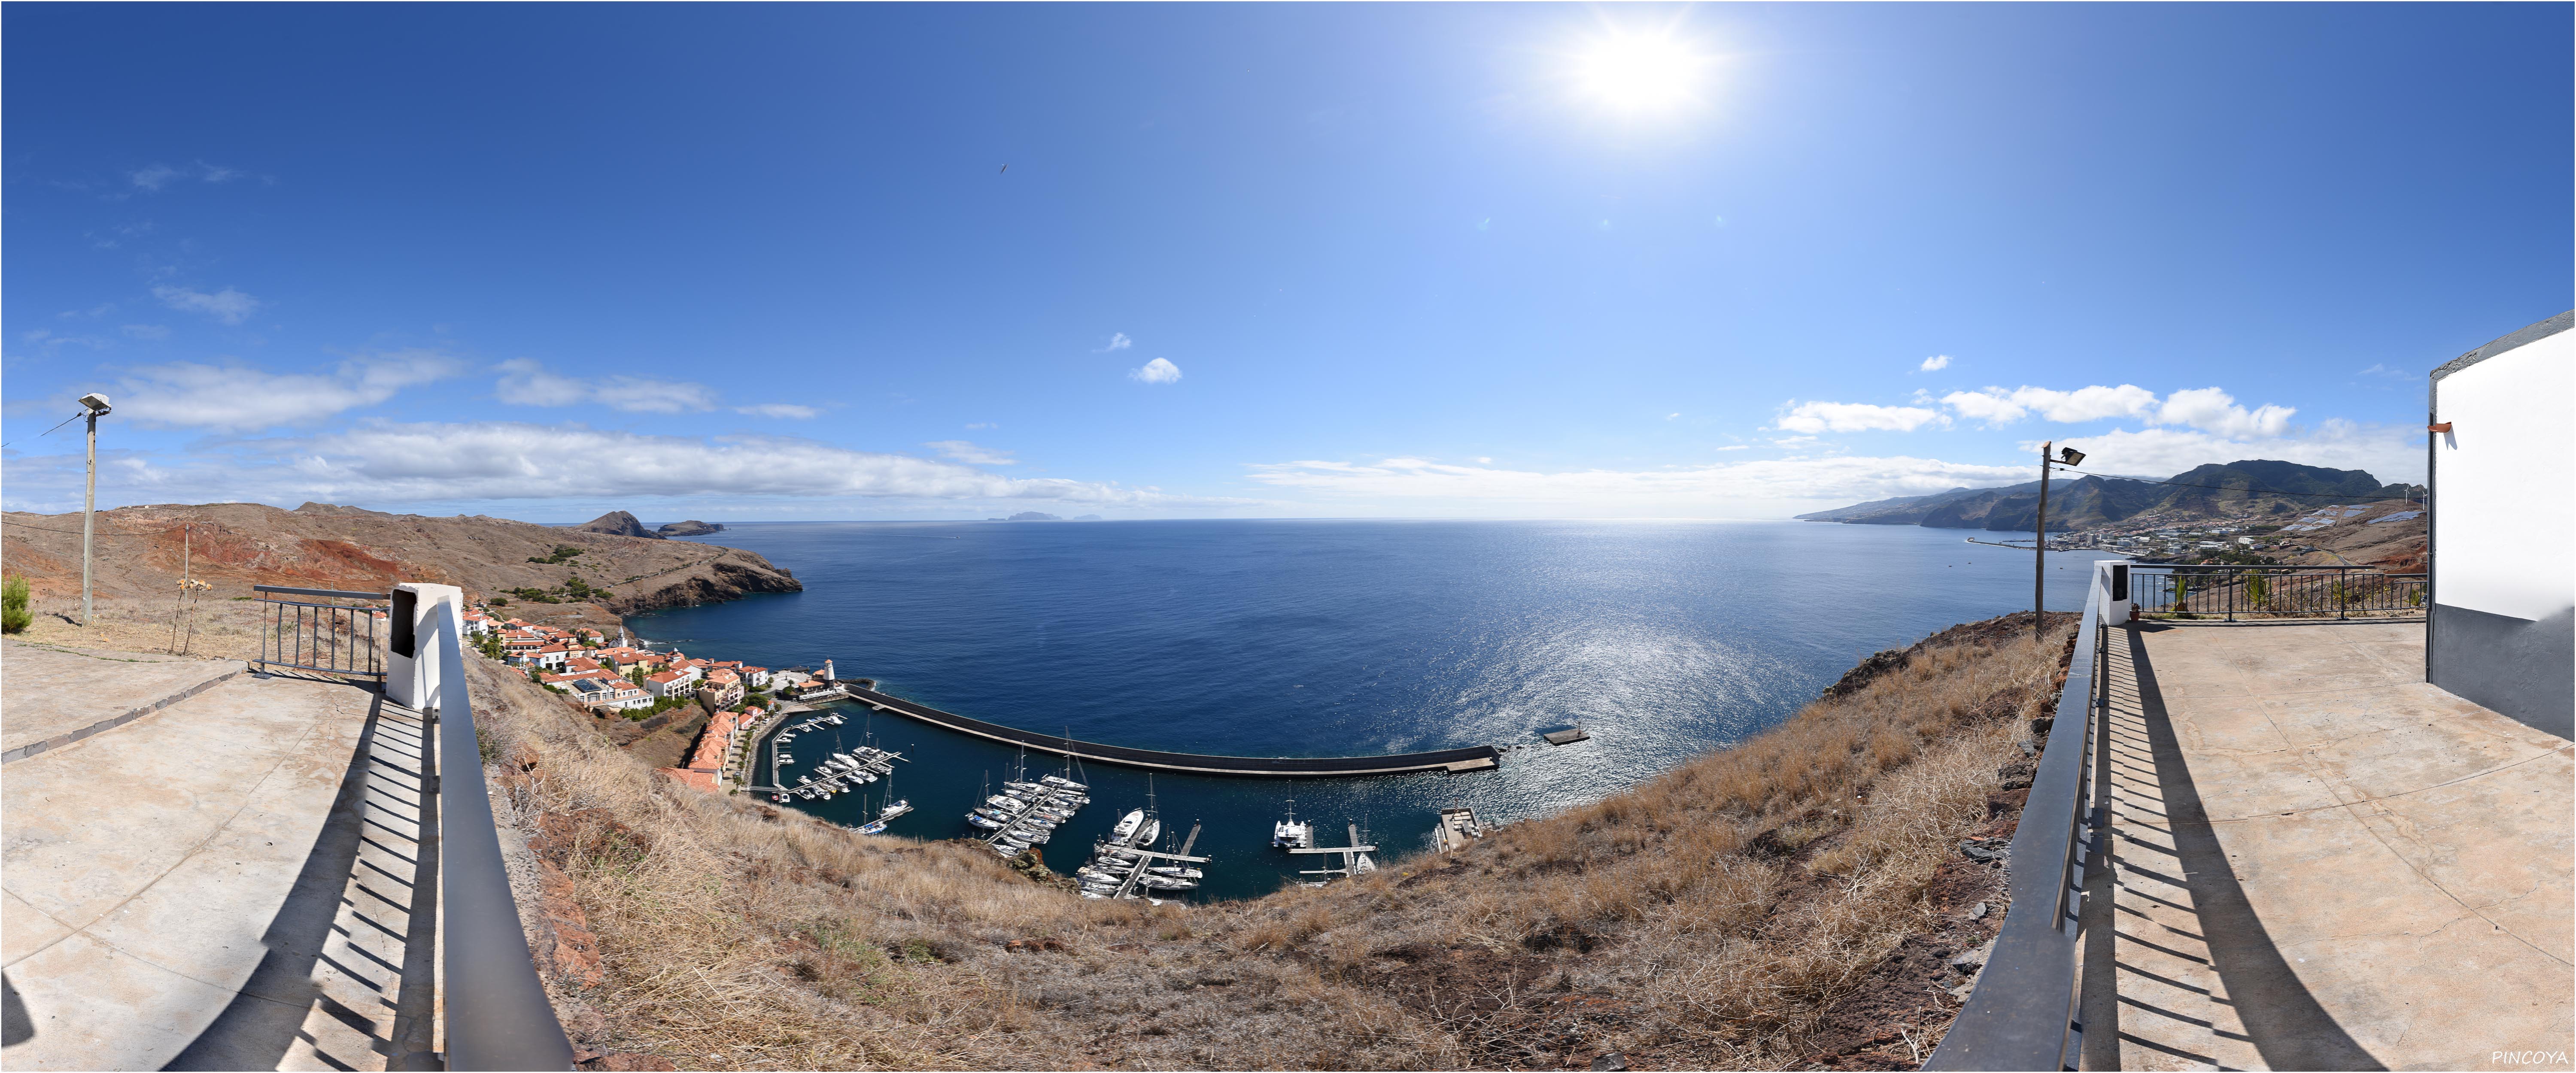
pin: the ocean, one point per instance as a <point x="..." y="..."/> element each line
<point x="1321" y="638"/>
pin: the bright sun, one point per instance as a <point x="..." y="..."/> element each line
<point x="1641" y="72"/>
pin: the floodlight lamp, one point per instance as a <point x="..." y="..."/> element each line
<point x="95" y="403"/>
<point x="2070" y="456"/>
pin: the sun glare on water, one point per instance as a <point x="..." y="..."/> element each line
<point x="1641" y="72"/>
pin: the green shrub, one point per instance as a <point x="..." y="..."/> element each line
<point x="14" y="615"/>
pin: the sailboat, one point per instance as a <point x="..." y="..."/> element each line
<point x="892" y="809"/>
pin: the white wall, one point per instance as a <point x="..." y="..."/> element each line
<point x="2506" y="498"/>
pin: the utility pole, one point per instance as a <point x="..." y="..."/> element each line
<point x="96" y="407"/>
<point x="2039" y="552"/>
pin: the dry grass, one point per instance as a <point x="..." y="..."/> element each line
<point x="1705" y="919"/>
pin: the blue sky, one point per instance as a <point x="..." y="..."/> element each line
<point x="1334" y="260"/>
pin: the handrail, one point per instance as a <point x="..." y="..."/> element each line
<point x="2022" y="1013"/>
<point x="342" y="594"/>
<point x="496" y="1012"/>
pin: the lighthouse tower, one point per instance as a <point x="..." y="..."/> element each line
<point x="827" y="671"/>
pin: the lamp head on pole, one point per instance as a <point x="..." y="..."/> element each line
<point x="2070" y="456"/>
<point x="96" y="404"/>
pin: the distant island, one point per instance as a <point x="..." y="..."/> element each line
<point x="689" y="528"/>
<point x="617" y="523"/>
<point x="1027" y="516"/>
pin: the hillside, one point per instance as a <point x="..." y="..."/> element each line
<point x="1794" y="902"/>
<point x="236" y="545"/>
<point x="2235" y="491"/>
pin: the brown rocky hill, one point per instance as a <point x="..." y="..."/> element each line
<point x="142" y="550"/>
<point x="617" y="523"/>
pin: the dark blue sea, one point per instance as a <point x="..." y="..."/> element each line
<point x="1319" y="638"/>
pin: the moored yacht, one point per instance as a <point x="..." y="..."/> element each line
<point x="1291" y="834"/>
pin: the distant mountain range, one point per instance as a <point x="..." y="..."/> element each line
<point x="2237" y="490"/>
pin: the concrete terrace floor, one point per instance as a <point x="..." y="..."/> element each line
<point x="2319" y="861"/>
<point x="203" y="869"/>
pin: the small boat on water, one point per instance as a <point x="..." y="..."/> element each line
<point x="1177" y="872"/>
<point x="979" y="821"/>
<point x="1127" y="825"/>
<point x="1168" y="883"/>
<point x="1062" y="783"/>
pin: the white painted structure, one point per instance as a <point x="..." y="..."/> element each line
<point x="411" y="675"/>
<point x="2504" y="501"/>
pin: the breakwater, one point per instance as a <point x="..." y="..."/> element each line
<point x="1472" y="758"/>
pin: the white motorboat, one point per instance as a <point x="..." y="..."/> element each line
<point x="1127" y="825"/>
<point x="979" y="821"/>
<point x="1291" y="834"/>
<point x="1153" y="830"/>
<point x="1167" y="883"/>
<point x="1177" y="872"/>
<point x="1062" y="783"/>
<point x="1363" y="866"/>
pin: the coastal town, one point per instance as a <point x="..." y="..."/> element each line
<point x="741" y="701"/>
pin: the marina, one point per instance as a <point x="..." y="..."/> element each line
<point x="1027" y="813"/>
<point x="836" y="773"/>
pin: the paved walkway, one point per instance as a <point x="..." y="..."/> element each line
<point x="173" y="870"/>
<point x="57" y="695"/>
<point x="2321" y="862"/>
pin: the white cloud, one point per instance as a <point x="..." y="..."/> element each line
<point x="146" y="331"/>
<point x="2212" y="410"/>
<point x="388" y="464"/>
<point x="779" y="409"/>
<point x="1157" y="371"/>
<point x="1813" y="417"/>
<point x="1936" y="363"/>
<point x="227" y="305"/>
<point x="962" y="451"/>
<point x="973" y="425"/>
<point x="156" y="176"/>
<point x="1995" y="406"/>
<point x="238" y="399"/>
<point x="1758" y="488"/>
<point x="527" y="383"/>
<point x="2389" y="452"/>
<point x="638" y="395"/>
<point x="2208" y="409"/>
<point x="1737" y="447"/>
<point x="1672" y="415"/>
<point x="1117" y="341"/>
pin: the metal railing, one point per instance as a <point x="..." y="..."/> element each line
<point x="2022" y="1013"/>
<point x="2268" y="592"/>
<point x="327" y="638"/>
<point x="496" y="1013"/>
